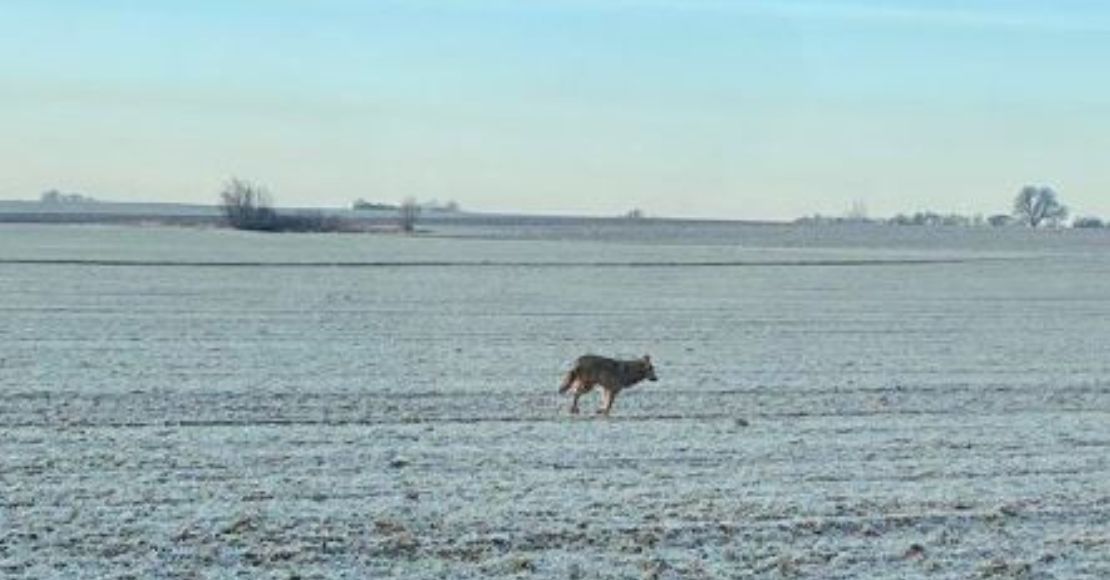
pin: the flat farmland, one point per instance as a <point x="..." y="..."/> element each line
<point x="204" y="403"/>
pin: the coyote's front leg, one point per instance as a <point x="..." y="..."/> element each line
<point x="607" y="398"/>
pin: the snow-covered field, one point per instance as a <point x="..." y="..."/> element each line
<point x="832" y="403"/>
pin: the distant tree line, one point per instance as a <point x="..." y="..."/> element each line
<point x="408" y="212"/>
<point x="1033" y="206"/>
<point x="247" y="206"/>
<point x="431" y="206"/>
<point x="363" y="205"/>
<point x="928" y="218"/>
<point x="55" y="197"/>
<point x="1089" y="222"/>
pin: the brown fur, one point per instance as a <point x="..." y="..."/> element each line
<point x="613" y="376"/>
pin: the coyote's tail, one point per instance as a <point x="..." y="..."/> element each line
<point x="568" y="381"/>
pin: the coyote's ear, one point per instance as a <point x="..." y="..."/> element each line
<point x="647" y="358"/>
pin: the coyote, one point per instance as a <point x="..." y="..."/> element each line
<point x="613" y="376"/>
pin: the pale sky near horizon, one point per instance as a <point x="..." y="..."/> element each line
<point x="696" y="108"/>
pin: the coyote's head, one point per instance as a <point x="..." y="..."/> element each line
<point x="649" y="371"/>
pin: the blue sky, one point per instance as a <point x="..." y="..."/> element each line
<point x="709" y="108"/>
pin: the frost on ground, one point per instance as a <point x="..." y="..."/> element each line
<point x="903" y="420"/>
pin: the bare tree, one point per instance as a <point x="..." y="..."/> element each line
<point x="409" y="212"/>
<point x="247" y="206"/>
<point x="1034" y="206"/>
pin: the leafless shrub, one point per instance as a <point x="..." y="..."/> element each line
<point x="248" y="206"/>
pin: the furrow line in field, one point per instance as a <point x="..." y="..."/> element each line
<point x="1096" y="387"/>
<point x="423" y="420"/>
<point x="525" y="538"/>
<point x="496" y="264"/>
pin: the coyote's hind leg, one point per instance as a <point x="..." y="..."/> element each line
<point x="574" y="403"/>
<point x="581" y="387"/>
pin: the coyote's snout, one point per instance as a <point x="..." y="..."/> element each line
<point x="613" y="376"/>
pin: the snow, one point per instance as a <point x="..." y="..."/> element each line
<point x="947" y="419"/>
